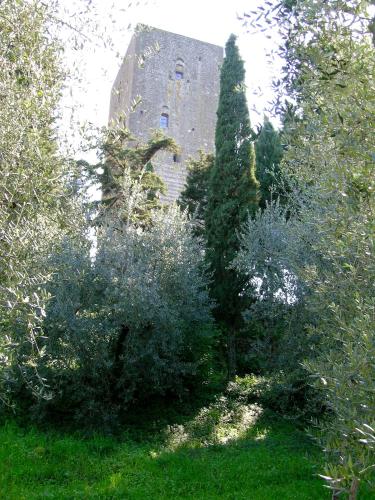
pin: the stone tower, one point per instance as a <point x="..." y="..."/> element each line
<point x="169" y="82"/>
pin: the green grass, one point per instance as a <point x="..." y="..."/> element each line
<point x="220" y="453"/>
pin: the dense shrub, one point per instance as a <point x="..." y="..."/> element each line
<point x="134" y="324"/>
<point x="274" y="247"/>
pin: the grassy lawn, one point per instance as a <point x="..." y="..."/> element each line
<point x="218" y="453"/>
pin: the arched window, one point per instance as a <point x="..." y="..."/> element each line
<point x="179" y="71"/>
<point x="164" y="120"/>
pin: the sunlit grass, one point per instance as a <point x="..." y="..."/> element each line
<point x="223" y="451"/>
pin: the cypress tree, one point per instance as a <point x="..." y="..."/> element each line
<point x="268" y="152"/>
<point x="232" y="194"/>
<point x="194" y="197"/>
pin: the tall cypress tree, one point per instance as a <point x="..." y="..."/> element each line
<point x="232" y="194"/>
<point x="268" y="152"/>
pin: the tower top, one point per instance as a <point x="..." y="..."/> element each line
<point x="145" y="28"/>
<point x="169" y="82"/>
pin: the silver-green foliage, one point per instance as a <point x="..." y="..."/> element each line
<point x="275" y="246"/>
<point x="136" y="322"/>
<point x="34" y="207"/>
<point x="330" y="74"/>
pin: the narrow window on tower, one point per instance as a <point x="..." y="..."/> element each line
<point x="179" y="71"/>
<point x="164" y="120"/>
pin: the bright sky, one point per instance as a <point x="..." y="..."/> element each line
<point x="207" y="20"/>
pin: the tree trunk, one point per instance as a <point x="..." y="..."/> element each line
<point x="117" y="364"/>
<point x="232" y="354"/>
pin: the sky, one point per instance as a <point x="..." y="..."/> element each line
<point x="112" y="23"/>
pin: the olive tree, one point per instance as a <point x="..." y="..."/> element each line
<point x="329" y="76"/>
<point x="136" y="322"/>
<point x="35" y="199"/>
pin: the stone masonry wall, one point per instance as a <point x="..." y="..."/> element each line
<point x="149" y="71"/>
